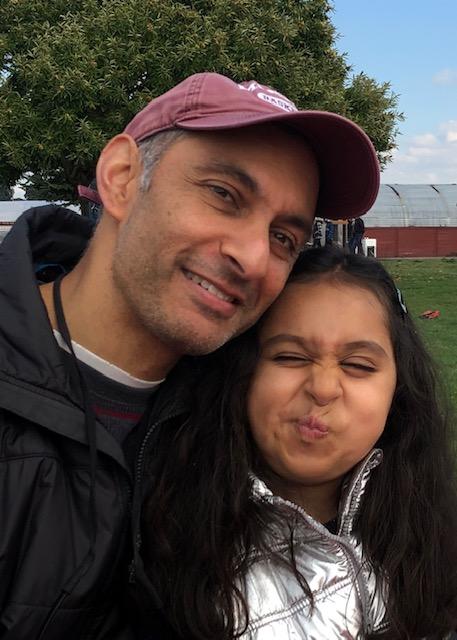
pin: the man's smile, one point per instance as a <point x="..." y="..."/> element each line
<point x="216" y="290"/>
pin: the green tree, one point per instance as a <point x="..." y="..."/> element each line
<point x="46" y="185"/>
<point x="74" y="73"/>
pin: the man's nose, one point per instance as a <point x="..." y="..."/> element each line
<point x="248" y="250"/>
<point x="323" y="384"/>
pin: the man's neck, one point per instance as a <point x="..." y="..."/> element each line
<point x="99" y="321"/>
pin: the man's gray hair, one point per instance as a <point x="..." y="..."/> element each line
<point x="151" y="151"/>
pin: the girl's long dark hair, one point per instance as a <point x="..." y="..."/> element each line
<point x="200" y="523"/>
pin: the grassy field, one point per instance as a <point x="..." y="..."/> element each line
<point x="432" y="284"/>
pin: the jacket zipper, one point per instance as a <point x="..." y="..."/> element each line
<point x="130" y="492"/>
<point x="91" y="633"/>
<point x="137" y="486"/>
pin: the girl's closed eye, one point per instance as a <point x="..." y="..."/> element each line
<point x="290" y="358"/>
<point x="357" y="366"/>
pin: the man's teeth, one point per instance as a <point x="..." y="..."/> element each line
<point x="209" y="287"/>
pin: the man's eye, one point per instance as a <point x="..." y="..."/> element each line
<point x="222" y="193"/>
<point x="285" y="242"/>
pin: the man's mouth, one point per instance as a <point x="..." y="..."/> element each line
<point x="209" y="286"/>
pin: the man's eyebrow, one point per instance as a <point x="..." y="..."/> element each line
<point x="233" y="171"/>
<point x="347" y="347"/>
<point x="299" y="222"/>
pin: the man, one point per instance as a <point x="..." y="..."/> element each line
<point x="329" y="231"/>
<point x="355" y="242"/>
<point x="208" y="197"/>
<point x="317" y="232"/>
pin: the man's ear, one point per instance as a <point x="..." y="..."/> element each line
<point x="118" y="175"/>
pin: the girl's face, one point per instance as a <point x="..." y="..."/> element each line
<point x="323" y="387"/>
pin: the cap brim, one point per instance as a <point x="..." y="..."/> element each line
<point x="348" y="165"/>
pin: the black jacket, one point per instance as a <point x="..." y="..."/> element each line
<point x="359" y="226"/>
<point x="56" y="582"/>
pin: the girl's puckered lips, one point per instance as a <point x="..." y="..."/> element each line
<point x="311" y="428"/>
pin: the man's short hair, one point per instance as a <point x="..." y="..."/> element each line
<point x="152" y="149"/>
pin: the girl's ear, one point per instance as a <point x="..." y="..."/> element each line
<point x="118" y="176"/>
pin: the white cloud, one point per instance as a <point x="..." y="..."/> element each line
<point x="425" y="140"/>
<point x="445" y="77"/>
<point x="429" y="158"/>
<point x="450" y="130"/>
<point x="424" y="152"/>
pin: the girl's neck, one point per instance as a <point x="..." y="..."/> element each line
<point x="320" y="501"/>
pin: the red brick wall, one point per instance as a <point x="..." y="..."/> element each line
<point x="410" y="242"/>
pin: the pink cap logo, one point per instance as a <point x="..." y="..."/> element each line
<point x="271" y="96"/>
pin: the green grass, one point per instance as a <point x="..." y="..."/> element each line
<point x="432" y="284"/>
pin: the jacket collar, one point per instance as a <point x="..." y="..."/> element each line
<point x="352" y="492"/>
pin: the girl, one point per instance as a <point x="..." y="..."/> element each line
<point x="311" y="493"/>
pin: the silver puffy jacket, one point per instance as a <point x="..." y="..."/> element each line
<point x="346" y="604"/>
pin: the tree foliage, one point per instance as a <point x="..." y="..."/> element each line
<point x="74" y="73"/>
<point x="6" y="193"/>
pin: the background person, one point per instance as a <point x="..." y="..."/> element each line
<point x="311" y="494"/>
<point x="208" y="197"/>
<point x="329" y="233"/>
<point x="355" y="241"/>
<point x="317" y="232"/>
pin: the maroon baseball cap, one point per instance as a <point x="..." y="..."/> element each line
<point x="349" y="168"/>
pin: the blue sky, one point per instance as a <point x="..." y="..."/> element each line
<point x="412" y="45"/>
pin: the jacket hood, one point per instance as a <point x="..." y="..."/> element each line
<point x="28" y="350"/>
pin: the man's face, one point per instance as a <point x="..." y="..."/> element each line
<point x="208" y="248"/>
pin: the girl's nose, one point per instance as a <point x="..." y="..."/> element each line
<point x="322" y="384"/>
